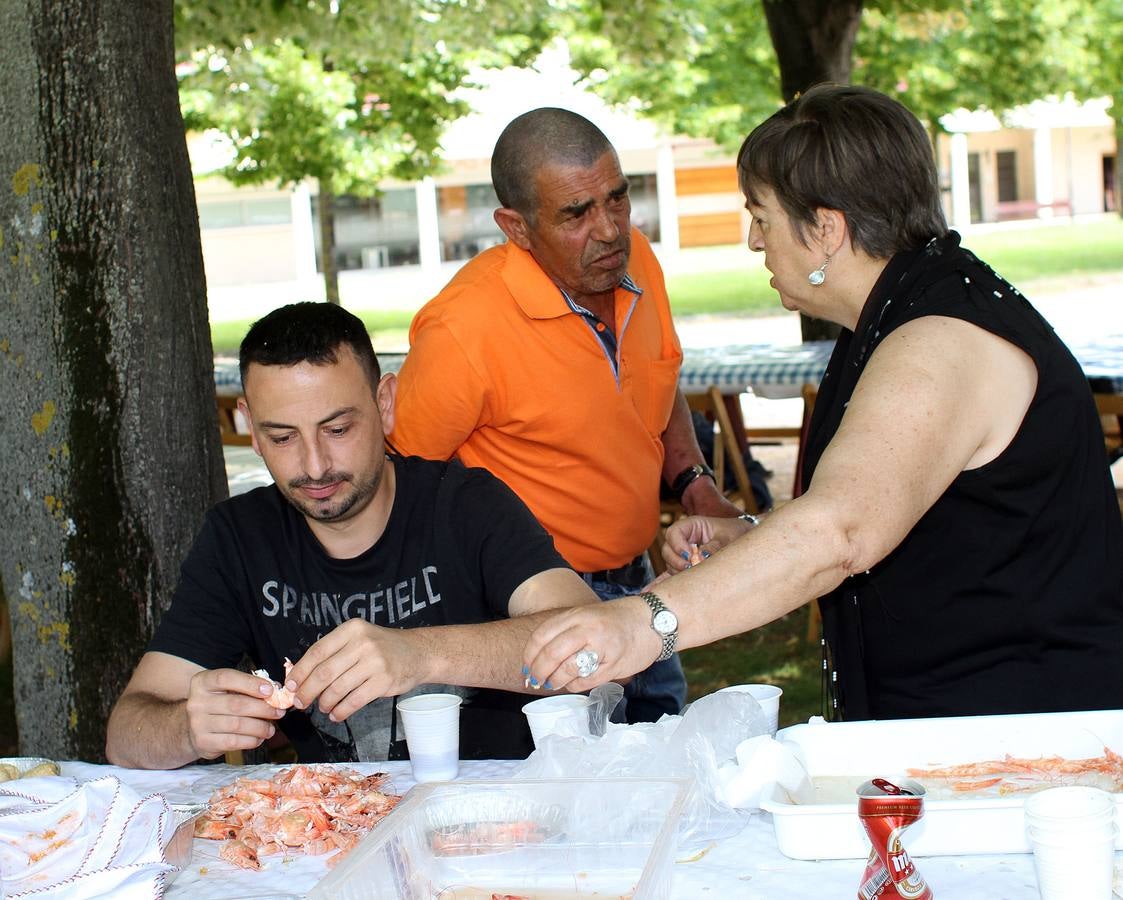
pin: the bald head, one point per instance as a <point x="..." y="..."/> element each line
<point x="541" y="137"/>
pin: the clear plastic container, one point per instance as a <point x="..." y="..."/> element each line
<point x="555" y="839"/>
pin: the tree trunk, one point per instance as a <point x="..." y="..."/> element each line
<point x="108" y="422"/>
<point x="814" y="41"/>
<point x="326" y="206"/>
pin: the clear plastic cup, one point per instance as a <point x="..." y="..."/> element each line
<point x="562" y="714"/>
<point x="767" y="695"/>
<point x="432" y="727"/>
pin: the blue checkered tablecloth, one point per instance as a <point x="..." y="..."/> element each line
<point x="767" y="370"/>
<point x="1102" y="362"/>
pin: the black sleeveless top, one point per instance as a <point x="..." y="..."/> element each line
<point x="1007" y="595"/>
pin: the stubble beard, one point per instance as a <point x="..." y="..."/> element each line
<point x="332" y="509"/>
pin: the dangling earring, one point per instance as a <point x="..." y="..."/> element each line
<point x="820" y="274"/>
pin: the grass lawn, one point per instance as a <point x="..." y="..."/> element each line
<point x="778" y="653"/>
<point x="725" y="282"/>
<point x="1019" y="254"/>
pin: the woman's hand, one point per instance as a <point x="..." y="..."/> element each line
<point x="704" y="533"/>
<point x="619" y="631"/>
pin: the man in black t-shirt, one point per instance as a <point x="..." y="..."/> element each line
<point x="376" y="575"/>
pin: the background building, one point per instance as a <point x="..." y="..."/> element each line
<point x="1049" y="159"/>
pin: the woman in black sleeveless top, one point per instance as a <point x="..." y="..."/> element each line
<point x="960" y="525"/>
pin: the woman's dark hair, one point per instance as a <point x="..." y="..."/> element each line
<point x="852" y="149"/>
<point x="308" y="332"/>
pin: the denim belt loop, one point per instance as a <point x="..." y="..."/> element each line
<point x="632" y="574"/>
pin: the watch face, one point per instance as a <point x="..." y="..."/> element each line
<point x="665" y="622"/>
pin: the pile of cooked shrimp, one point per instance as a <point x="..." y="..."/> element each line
<point x="302" y="809"/>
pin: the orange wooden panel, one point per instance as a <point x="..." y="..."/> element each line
<point x="453" y="198"/>
<point x="709" y="229"/>
<point x="709" y="180"/>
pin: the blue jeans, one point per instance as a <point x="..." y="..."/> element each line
<point x="661" y="687"/>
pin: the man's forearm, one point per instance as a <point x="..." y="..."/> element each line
<point x="488" y="655"/>
<point x="148" y="732"/>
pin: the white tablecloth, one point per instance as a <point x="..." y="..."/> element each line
<point x="746" y="865"/>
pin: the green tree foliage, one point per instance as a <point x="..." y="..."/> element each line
<point x="347" y="94"/>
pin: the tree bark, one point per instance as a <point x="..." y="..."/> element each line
<point x="108" y="421"/>
<point x="326" y="206"/>
<point x="814" y="43"/>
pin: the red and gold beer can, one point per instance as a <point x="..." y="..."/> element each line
<point x="886" y="809"/>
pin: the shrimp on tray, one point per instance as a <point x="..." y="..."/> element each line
<point x="1011" y="775"/>
<point x="302" y="809"/>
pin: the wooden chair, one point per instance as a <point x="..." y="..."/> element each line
<point x="227" y="423"/>
<point x="727" y="452"/>
<point x="810" y="393"/>
<point x="1110" y="408"/>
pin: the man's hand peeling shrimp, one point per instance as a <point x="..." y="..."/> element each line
<point x="355" y="663"/>
<point x="228" y="710"/>
<point x="617" y="630"/>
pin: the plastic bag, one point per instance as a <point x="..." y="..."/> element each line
<point x="696" y="744"/>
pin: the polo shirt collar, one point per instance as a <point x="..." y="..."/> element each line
<point x="536" y="295"/>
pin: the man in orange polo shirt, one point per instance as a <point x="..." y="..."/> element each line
<point x="552" y="361"/>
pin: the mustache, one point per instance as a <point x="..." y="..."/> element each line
<point x="327" y="480"/>
<point x="622" y="244"/>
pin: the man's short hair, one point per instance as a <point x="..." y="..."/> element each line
<point x="852" y="149"/>
<point x="536" y="139"/>
<point x="308" y="332"/>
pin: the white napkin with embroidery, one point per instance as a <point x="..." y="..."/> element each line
<point x="63" y="838"/>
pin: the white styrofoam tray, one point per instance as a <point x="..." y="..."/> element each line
<point x="949" y="827"/>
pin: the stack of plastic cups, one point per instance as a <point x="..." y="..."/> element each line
<point x="1072" y="832"/>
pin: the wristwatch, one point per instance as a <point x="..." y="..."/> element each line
<point x="685" y="478"/>
<point x="665" y="624"/>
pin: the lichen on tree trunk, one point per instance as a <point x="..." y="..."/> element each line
<point x="109" y="422"/>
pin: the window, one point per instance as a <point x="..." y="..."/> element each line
<point x="252" y="211"/>
<point x="645" y="204"/>
<point x="465" y="220"/>
<point x="1007" y="161"/>
<point x="373" y="232"/>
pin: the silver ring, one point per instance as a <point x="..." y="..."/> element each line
<point x="587" y="662"/>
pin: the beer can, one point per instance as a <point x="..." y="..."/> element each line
<point x="886" y="809"/>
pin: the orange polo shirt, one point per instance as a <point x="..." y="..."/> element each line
<point x="504" y="375"/>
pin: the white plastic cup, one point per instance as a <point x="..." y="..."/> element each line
<point x="563" y="714"/>
<point x="1072" y="832"/>
<point x="1071" y="803"/>
<point x="1079" y="869"/>
<point x="432" y="727"/>
<point x="767" y="695"/>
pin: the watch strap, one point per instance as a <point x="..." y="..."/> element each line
<point x="669" y="640"/>
<point x="687" y="476"/>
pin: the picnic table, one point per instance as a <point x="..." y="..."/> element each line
<point x="748" y="864"/>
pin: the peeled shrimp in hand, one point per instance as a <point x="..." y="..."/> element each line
<point x="282" y="697"/>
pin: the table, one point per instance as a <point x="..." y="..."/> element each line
<point x="745" y="865"/>
<point x="767" y="370"/>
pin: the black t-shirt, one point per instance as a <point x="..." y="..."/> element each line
<point x="457" y="543"/>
